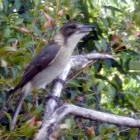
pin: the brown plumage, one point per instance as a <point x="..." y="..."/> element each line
<point x="41" y="61"/>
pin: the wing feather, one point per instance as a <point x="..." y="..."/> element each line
<point x="45" y="57"/>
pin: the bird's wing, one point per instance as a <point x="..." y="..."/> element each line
<point x="41" y="61"/>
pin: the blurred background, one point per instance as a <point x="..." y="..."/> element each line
<point x="111" y="86"/>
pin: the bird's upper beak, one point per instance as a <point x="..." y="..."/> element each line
<point x="87" y="28"/>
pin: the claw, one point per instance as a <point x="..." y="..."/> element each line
<point x="59" y="80"/>
<point x="50" y="96"/>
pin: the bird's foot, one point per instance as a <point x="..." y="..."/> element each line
<point x="50" y="96"/>
<point x="59" y="80"/>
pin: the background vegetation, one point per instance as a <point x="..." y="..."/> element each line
<point x="108" y="86"/>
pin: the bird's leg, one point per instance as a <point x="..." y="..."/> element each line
<point x="56" y="98"/>
<point x="51" y="96"/>
<point x="63" y="84"/>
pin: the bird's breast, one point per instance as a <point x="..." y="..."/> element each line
<point x="54" y="69"/>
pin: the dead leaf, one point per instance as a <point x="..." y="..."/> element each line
<point x="42" y="40"/>
<point x="22" y="29"/>
<point x="15" y="44"/>
<point x="128" y="23"/>
<point x="47" y="17"/>
<point x="47" y="24"/>
<point x="31" y="122"/>
<point x="90" y="131"/>
<point x="61" y="12"/>
<point x="79" y="98"/>
<point x="115" y="38"/>
<point x="38" y="123"/>
<point x="137" y="33"/>
<point x="56" y="134"/>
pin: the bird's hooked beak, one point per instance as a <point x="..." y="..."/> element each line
<point x="87" y="28"/>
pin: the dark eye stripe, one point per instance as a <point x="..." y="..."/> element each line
<point x="73" y="26"/>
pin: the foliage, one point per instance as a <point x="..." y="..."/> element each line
<point x="107" y="85"/>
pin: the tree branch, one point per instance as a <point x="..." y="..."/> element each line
<point x="79" y="60"/>
<point x="51" y="124"/>
<point x="57" y="87"/>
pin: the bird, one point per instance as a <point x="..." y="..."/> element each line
<point x="50" y="61"/>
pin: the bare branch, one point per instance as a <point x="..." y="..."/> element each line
<point x="56" y="91"/>
<point x="79" y="60"/>
<point x="74" y="62"/>
<point x="51" y="123"/>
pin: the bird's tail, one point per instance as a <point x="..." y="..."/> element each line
<point x="26" y="90"/>
<point x="18" y="106"/>
<point x="16" y="88"/>
<point x="12" y="90"/>
<point x="17" y="110"/>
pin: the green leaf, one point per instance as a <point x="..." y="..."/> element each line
<point x="3" y="18"/>
<point x="134" y="65"/>
<point x="5" y="5"/>
<point x="4" y="80"/>
<point x="3" y="63"/>
<point x="69" y="138"/>
<point x="104" y="44"/>
<point x="98" y="46"/>
<point x="31" y="43"/>
<point x="118" y="81"/>
<point x="19" y="21"/>
<point x="39" y="109"/>
<point x="112" y="8"/>
<point x="9" y="117"/>
<point x="105" y="22"/>
<point x="70" y="123"/>
<point x="108" y="62"/>
<point x="137" y="103"/>
<point x="75" y="83"/>
<point x="7" y="49"/>
<point x="18" y="4"/>
<point x="37" y="31"/>
<point x="111" y="90"/>
<point x="29" y="131"/>
<point x="6" y="32"/>
<point x="100" y="86"/>
<point x="85" y="86"/>
<point x="124" y="1"/>
<point x="32" y="109"/>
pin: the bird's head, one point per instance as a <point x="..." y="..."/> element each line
<point x="72" y="32"/>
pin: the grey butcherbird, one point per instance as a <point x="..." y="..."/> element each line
<point x="50" y="61"/>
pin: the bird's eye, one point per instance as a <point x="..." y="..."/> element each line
<point x="73" y="26"/>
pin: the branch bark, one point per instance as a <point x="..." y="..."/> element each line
<point x="51" y="124"/>
<point x="51" y="118"/>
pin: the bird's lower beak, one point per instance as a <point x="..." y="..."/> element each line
<point x="87" y="28"/>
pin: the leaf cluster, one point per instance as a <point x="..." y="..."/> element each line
<point x="106" y="85"/>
